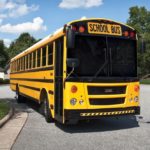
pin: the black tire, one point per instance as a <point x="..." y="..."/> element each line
<point x="46" y="110"/>
<point x="19" y="98"/>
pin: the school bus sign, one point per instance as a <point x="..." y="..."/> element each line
<point x="102" y="28"/>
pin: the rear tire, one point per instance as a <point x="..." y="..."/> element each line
<point x="19" y="98"/>
<point x="46" y="110"/>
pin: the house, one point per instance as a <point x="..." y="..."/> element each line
<point x="7" y="71"/>
<point x="1" y="73"/>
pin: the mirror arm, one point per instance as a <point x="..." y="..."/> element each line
<point x="68" y="75"/>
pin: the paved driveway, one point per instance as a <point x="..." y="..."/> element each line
<point x="128" y="133"/>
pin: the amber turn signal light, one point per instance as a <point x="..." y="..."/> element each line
<point x="136" y="88"/>
<point x="74" y="89"/>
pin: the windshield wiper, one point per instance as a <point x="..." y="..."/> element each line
<point x="101" y="68"/>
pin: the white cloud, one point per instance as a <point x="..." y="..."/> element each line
<point x="2" y="16"/>
<point x="16" y="8"/>
<point x="10" y="5"/>
<point x="1" y="20"/>
<point x="7" y="42"/>
<point x="34" y="26"/>
<point x="69" y="4"/>
<point x="22" y="10"/>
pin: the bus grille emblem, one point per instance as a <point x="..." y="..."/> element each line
<point x="108" y="90"/>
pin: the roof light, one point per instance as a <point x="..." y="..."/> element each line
<point x="132" y="34"/>
<point x="74" y="28"/>
<point x="126" y="33"/>
<point x="81" y="29"/>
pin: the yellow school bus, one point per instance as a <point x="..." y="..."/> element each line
<point x="85" y="70"/>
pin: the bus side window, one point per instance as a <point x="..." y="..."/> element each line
<point x="14" y="66"/>
<point x="26" y="62"/>
<point x="34" y="59"/>
<point x="38" y="57"/>
<point x="17" y="64"/>
<point x="44" y="56"/>
<point x="11" y="67"/>
<point x="21" y="64"/>
<point x="30" y="56"/>
<point x="50" y="54"/>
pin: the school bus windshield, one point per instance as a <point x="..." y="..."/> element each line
<point x="104" y="56"/>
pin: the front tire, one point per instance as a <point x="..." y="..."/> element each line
<point x="46" y="110"/>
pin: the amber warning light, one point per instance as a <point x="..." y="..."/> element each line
<point x="74" y="89"/>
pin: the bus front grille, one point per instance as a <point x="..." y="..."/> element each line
<point x="106" y="90"/>
<point x="106" y="101"/>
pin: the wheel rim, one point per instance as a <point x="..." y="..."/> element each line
<point x="17" y="95"/>
<point x="45" y="108"/>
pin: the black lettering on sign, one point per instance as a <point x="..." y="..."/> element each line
<point x="91" y="27"/>
<point x="118" y="30"/>
<point x="115" y="30"/>
<point x="106" y="29"/>
<point x="102" y="28"/>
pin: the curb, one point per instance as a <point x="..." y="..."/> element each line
<point x="4" y="84"/>
<point x="7" y="117"/>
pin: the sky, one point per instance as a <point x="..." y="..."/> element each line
<point x="42" y="17"/>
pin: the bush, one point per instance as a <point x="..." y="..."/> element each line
<point x="5" y="81"/>
<point x="145" y="81"/>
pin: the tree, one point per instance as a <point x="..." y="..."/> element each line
<point x="24" y="41"/>
<point x="139" y="18"/>
<point x="3" y="54"/>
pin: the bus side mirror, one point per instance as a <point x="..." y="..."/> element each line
<point x="70" y="38"/>
<point x="72" y="62"/>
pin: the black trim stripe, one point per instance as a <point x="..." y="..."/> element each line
<point x="35" y="70"/>
<point x="34" y="80"/>
<point x="51" y="92"/>
<point x="27" y="96"/>
<point x="13" y="83"/>
<point x="103" y="79"/>
<point x="29" y="87"/>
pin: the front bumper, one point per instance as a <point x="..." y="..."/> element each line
<point x="97" y="113"/>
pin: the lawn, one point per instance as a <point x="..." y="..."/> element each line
<point x="145" y="81"/>
<point x="4" y="109"/>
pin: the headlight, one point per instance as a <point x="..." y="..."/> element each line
<point x="73" y="101"/>
<point x="136" y="98"/>
<point x="81" y="101"/>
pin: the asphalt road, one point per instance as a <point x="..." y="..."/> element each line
<point x="128" y="133"/>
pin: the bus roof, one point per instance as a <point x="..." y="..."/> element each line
<point x="87" y="19"/>
<point x="57" y="32"/>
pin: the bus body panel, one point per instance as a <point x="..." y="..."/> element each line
<point x="82" y="94"/>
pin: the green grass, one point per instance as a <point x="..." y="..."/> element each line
<point x="4" y="109"/>
<point x="145" y="81"/>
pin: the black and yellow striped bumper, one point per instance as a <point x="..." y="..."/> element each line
<point x="97" y="113"/>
